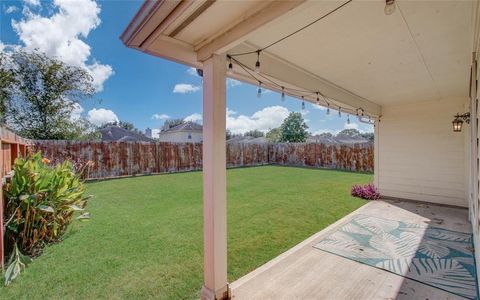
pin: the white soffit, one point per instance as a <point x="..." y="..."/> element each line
<point x="386" y="59"/>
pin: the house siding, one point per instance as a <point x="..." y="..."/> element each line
<point x="181" y="137"/>
<point x="419" y="155"/>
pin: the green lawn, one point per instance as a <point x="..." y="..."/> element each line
<point x="144" y="240"/>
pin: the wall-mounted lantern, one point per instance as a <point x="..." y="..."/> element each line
<point x="458" y="121"/>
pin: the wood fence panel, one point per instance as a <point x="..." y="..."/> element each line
<point x="115" y="159"/>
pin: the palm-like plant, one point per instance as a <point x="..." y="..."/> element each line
<point x="41" y="201"/>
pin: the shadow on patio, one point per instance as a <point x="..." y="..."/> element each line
<point x="305" y="272"/>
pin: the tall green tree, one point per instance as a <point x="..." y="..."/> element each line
<point x="44" y="94"/>
<point x="294" y="129"/>
<point x="7" y="81"/>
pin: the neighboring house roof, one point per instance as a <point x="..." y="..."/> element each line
<point x="240" y="139"/>
<point x="115" y="133"/>
<point x="187" y="126"/>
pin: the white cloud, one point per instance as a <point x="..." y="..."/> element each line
<point x="155" y="133"/>
<point x="192" y="71"/>
<point x="319" y="107"/>
<point x="196" y="117"/>
<point x="76" y="113"/>
<point x="185" y="88"/>
<point x="352" y="125"/>
<point x="101" y="116"/>
<point x="11" y="9"/>
<point x="263" y="120"/>
<point x="320" y="131"/>
<point x="160" y="117"/>
<point x="360" y="127"/>
<point x="32" y="2"/>
<point x="233" y="82"/>
<point x="60" y="35"/>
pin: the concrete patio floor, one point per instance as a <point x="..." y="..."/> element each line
<point x="304" y="272"/>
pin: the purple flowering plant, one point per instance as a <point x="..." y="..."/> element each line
<point x="368" y="191"/>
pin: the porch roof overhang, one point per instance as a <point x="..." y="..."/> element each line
<point x="356" y="57"/>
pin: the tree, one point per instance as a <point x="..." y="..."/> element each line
<point x="294" y="129"/>
<point x="7" y="81"/>
<point x="326" y="135"/>
<point x="352" y="132"/>
<point x="172" y="123"/>
<point x="274" y="135"/>
<point x="45" y="92"/>
<point x="254" y="133"/>
<point x="122" y="124"/>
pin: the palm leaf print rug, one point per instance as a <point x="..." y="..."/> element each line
<point x="437" y="257"/>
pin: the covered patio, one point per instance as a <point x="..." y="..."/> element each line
<point x="408" y="67"/>
<point x="305" y="272"/>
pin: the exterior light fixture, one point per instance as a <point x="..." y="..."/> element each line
<point x="389" y="7"/>
<point x="283" y="94"/>
<point x="458" y="121"/>
<point x="259" y="91"/>
<point x="257" y="64"/>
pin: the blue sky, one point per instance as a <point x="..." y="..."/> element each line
<point x="133" y="86"/>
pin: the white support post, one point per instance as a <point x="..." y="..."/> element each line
<point x="376" y="151"/>
<point x="214" y="179"/>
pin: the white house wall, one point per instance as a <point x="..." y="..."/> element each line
<point x="419" y="155"/>
<point x="181" y="137"/>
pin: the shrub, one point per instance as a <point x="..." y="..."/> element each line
<point x="40" y="202"/>
<point x="368" y="191"/>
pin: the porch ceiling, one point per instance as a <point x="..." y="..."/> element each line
<point x="358" y="55"/>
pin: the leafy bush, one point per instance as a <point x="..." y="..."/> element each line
<point x="40" y="202"/>
<point x="368" y="191"/>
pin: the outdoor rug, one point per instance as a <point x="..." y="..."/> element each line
<point x="437" y="257"/>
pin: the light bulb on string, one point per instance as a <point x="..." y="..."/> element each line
<point x="389" y="7"/>
<point x="348" y="119"/>
<point x="328" y="109"/>
<point x="257" y="64"/>
<point x="303" y="103"/>
<point x="318" y="99"/>
<point x="339" y="112"/>
<point x="230" y="66"/>
<point x="259" y="91"/>
<point x="283" y="94"/>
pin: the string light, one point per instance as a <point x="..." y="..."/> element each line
<point x="230" y="65"/>
<point x="257" y="64"/>
<point x="348" y="119"/>
<point x="291" y="91"/>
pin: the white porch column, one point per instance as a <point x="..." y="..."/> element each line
<point x="214" y="179"/>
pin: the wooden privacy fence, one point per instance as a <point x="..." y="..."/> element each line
<point x="12" y="146"/>
<point x="116" y="159"/>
